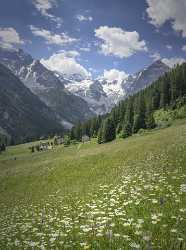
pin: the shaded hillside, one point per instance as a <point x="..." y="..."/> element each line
<point x="44" y="83"/>
<point x="22" y="115"/>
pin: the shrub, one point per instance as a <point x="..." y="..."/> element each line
<point x="163" y="118"/>
<point x="180" y="113"/>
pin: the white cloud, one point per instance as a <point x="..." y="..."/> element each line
<point x="82" y="18"/>
<point x="184" y="48"/>
<point x="114" y="74"/>
<point x="65" y="62"/>
<point x="43" y="6"/>
<point x="85" y="49"/>
<point x="172" y="62"/>
<point x="169" y="46"/>
<point x="156" y="56"/>
<point x="51" y="38"/>
<point x="9" y="37"/>
<point x="119" y="42"/>
<point x="69" y="53"/>
<point x="168" y="10"/>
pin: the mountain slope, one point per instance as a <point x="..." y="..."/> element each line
<point x="145" y="109"/>
<point x="46" y="86"/>
<point x="133" y="185"/>
<point x="144" y="78"/>
<point x="22" y="114"/>
<point x="102" y="95"/>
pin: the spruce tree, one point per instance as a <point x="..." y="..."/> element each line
<point x="99" y="136"/>
<point x="139" y="117"/>
<point x="149" y="121"/>
<point x="108" y="131"/>
<point x="127" y="130"/>
<point x="149" y="118"/>
<point x="78" y="132"/>
<point x="3" y="147"/>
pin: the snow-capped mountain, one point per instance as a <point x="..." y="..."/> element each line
<point x="91" y="91"/>
<point x="72" y="97"/>
<point x="144" y="78"/>
<point x="22" y="114"/>
<point x="50" y="89"/>
<point x="102" y="94"/>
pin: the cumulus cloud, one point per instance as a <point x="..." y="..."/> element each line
<point x="119" y="42"/>
<point x="114" y="75"/>
<point x="43" y="6"/>
<point x="169" y="47"/>
<point x="85" y="49"/>
<point x="9" y="37"/>
<point x="51" y="38"/>
<point x="156" y="56"/>
<point x="82" y="18"/>
<point x="172" y="62"/>
<point x="184" y="48"/>
<point x="65" y="62"/>
<point x="69" y="53"/>
<point x="168" y="10"/>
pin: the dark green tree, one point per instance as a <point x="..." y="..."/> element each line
<point x="108" y="130"/>
<point x="139" y="117"/>
<point x="127" y="130"/>
<point x="99" y="140"/>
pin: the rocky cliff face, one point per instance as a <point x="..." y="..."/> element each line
<point x="44" y="83"/>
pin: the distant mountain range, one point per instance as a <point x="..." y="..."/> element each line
<point x="101" y="95"/>
<point x="58" y="98"/>
<point x="42" y="82"/>
<point x="23" y="115"/>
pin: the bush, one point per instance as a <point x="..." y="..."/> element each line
<point x="74" y="142"/>
<point x="163" y="118"/>
<point x="142" y="131"/>
<point x="180" y="113"/>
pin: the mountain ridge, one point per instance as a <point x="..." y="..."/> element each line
<point x="102" y="95"/>
<point x="44" y="83"/>
<point x="20" y="118"/>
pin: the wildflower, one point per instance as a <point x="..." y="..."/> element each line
<point x="183" y="188"/>
<point x="173" y="230"/>
<point x="180" y="239"/>
<point x="146" y="238"/>
<point x="135" y="245"/>
<point x="154" y="201"/>
<point x="138" y="232"/>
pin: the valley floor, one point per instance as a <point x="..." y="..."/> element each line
<point x="127" y="194"/>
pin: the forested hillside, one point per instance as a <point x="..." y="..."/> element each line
<point x="137" y="111"/>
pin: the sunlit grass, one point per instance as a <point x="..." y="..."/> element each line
<point x="127" y="194"/>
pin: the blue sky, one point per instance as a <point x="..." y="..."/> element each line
<point x="90" y="36"/>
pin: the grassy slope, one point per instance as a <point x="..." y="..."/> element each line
<point x="79" y="170"/>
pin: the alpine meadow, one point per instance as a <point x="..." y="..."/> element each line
<point x="92" y="125"/>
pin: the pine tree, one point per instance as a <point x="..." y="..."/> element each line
<point x="149" y="121"/>
<point x="139" y="117"/>
<point x="78" y="132"/>
<point x="165" y="91"/>
<point x="129" y="114"/>
<point x="108" y="131"/>
<point x="99" y="136"/>
<point x="3" y="147"/>
<point x="127" y="130"/>
<point x="156" y="99"/>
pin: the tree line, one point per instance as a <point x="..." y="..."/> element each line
<point x="136" y="112"/>
<point x="3" y="143"/>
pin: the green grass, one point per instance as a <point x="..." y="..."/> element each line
<point x="126" y="194"/>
